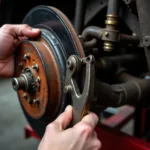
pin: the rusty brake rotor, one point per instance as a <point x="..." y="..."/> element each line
<point x="40" y="66"/>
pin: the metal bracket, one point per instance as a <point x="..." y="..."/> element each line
<point x="80" y="101"/>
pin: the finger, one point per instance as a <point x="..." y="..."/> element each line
<point x="17" y="41"/>
<point x="22" y="38"/>
<point x="64" y="119"/>
<point x="97" y="144"/>
<point x="91" y="119"/>
<point x="20" y="30"/>
<point x="95" y="135"/>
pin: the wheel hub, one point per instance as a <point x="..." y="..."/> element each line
<point x="40" y="66"/>
<point x="38" y="75"/>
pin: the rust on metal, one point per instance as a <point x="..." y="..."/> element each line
<point x="39" y="52"/>
<point x="72" y="30"/>
<point x="37" y="55"/>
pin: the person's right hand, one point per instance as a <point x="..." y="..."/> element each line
<point x="80" y="137"/>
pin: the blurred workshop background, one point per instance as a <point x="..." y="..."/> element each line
<point x="12" y="121"/>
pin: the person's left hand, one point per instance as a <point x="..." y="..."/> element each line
<point x="10" y="37"/>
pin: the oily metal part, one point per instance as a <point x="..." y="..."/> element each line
<point x="60" y="38"/>
<point x="111" y="25"/>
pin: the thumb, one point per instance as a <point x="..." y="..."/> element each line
<point x="64" y="119"/>
<point x="20" y="30"/>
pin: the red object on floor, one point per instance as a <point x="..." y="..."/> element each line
<point x="110" y="136"/>
<point x="109" y="140"/>
<point x="119" y="141"/>
<point x="121" y="118"/>
<point x="28" y="131"/>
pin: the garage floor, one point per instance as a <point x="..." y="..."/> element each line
<point x="12" y="121"/>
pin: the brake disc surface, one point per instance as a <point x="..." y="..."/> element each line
<point x="41" y="66"/>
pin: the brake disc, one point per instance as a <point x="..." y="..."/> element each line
<point x="40" y="66"/>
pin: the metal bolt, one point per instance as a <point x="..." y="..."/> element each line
<point x="81" y="39"/>
<point x="146" y="41"/>
<point x="69" y="64"/>
<point x="18" y="83"/>
<point x="24" y="95"/>
<point x="35" y="101"/>
<point x="29" y="100"/>
<point x="36" y="67"/>
<point x="20" y="65"/>
<point x="23" y="82"/>
<point x="134" y="34"/>
<point x="38" y="79"/>
<point x="67" y="89"/>
<point x="106" y="34"/>
<point x="27" y="70"/>
<point x="26" y="56"/>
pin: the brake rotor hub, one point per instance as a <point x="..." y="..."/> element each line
<point x="40" y="66"/>
<point x="38" y="75"/>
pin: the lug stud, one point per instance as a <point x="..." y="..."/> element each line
<point x="29" y="100"/>
<point x="38" y="79"/>
<point x="36" y="101"/>
<point x="106" y="34"/>
<point x="36" y="67"/>
<point x="24" y="95"/>
<point x="67" y="89"/>
<point x="20" y="65"/>
<point x="26" y="56"/>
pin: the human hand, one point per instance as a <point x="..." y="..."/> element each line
<point x="80" y="137"/>
<point x="10" y="37"/>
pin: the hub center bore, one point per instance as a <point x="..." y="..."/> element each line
<point x="24" y="82"/>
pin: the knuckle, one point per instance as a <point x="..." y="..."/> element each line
<point x="6" y="27"/>
<point x="59" y="119"/>
<point x="94" y="116"/>
<point x="62" y="117"/>
<point x="25" y="25"/>
<point x="51" y="126"/>
<point x="95" y="134"/>
<point x="97" y="144"/>
<point x="85" y="129"/>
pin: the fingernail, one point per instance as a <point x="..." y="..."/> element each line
<point x="69" y="107"/>
<point x="35" y="30"/>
